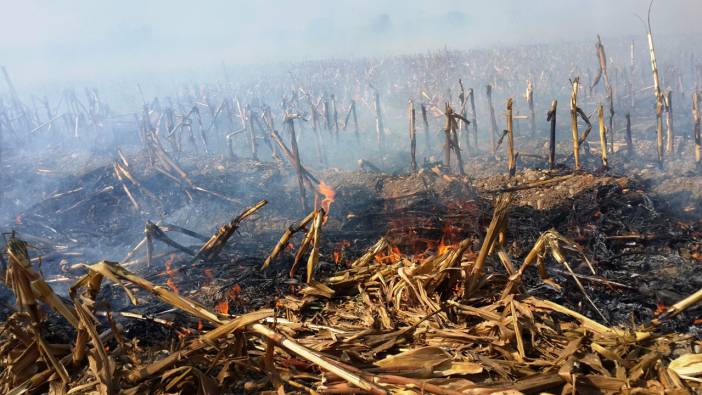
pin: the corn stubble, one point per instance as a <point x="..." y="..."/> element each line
<point x="389" y="323"/>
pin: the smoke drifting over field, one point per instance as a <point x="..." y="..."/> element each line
<point x="457" y="196"/>
<point x="48" y="43"/>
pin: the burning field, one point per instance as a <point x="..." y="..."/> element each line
<point x="449" y="223"/>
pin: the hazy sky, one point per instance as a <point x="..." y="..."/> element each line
<point x="50" y="41"/>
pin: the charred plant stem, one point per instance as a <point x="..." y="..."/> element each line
<point x="551" y="116"/>
<point x="511" y="165"/>
<point x="412" y="134"/>
<point x="493" y="121"/>
<point x="574" y="122"/>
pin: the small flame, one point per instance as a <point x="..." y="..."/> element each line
<point x="290" y="246"/>
<point x="329" y="195"/>
<point x="449" y="239"/>
<point x="222" y="306"/>
<point x="170" y="272"/>
<point x="338" y="253"/>
<point x="393" y="256"/>
<point x="660" y="309"/>
<point x="443" y="247"/>
<point x="199" y="325"/>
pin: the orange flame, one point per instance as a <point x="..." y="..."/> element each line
<point x="393" y="256"/>
<point x="445" y="247"/>
<point x="329" y="196"/>
<point x="338" y="253"/>
<point x="170" y="272"/>
<point x="222" y="306"/>
<point x="199" y="325"/>
<point x="660" y="309"/>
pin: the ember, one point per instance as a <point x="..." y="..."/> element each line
<point x="171" y="273"/>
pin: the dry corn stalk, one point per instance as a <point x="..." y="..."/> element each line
<point x="552" y="241"/>
<point x="603" y="136"/>
<point x="656" y="90"/>
<point x="92" y="282"/>
<point x="551" y="117"/>
<point x="313" y="259"/>
<point x="696" y="129"/>
<point x="116" y="273"/>
<point x="530" y="102"/>
<point x="670" y="137"/>
<point x="216" y="243"/>
<point x="499" y="218"/>
<point x="574" y="121"/>
<point x="473" y="118"/>
<point x="493" y="121"/>
<point x="412" y="134"/>
<point x="29" y="287"/>
<point x="511" y="165"/>
<point x="283" y="242"/>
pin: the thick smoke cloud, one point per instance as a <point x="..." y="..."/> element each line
<point x="45" y="43"/>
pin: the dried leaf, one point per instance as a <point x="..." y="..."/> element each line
<point x="426" y="358"/>
<point x="687" y="365"/>
<point x="462" y="368"/>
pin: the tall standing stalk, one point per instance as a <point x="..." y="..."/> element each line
<point x="448" y="140"/>
<point x="603" y="136"/>
<point x="463" y="125"/>
<point x="298" y="163"/>
<point x="574" y="122"/>
<point x="335" y="117"/>
<point x="317" y="134"/>
<point x="412" y="134"/>
<point x="379" y="127"/>
<point x="451" y="138"/>
<point x="327" y="114"/>
<point x="551" y="116"/>
<point x="629" y="142"/>
<point x="602" y="60"/>
<point x="252" y="135"/>
<point x="425" y="121"/>
<point x="355" y="121"/>
<point x="656" y="90"/>
<point x="696" y="131"/>
<point x="511" y="165"/>
<point x="610" y="129"/>
<point x="493" y="121"/>
<point x="670" y="138"/>
<point x="530" y="103"/>
<point x="473" y="120"/>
